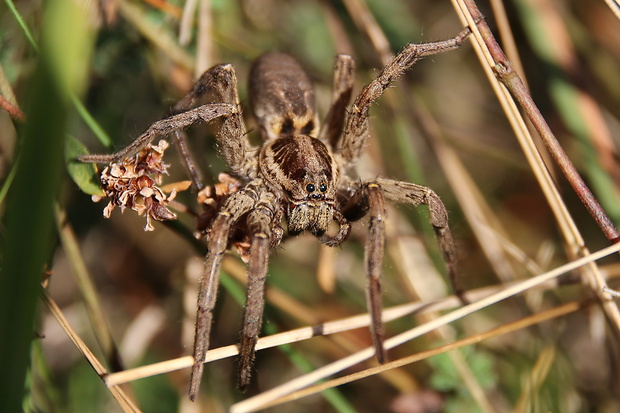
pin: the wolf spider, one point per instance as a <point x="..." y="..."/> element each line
<point x="297" y="175"/>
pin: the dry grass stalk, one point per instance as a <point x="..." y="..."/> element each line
<point x="124" y="401"/>
<point x="489" y="52"/>
<point x="301" y="382"/>
<point x="504" y="329"/>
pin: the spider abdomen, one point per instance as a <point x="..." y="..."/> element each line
<point x="282" y="98"/>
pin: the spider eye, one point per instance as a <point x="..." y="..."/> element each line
<point x="310" y="188"/>
<point x="323" y="188"/>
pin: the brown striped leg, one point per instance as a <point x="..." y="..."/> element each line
<point x="373" y="258"/>
<point x="236" y="205"/>
<point x="260" y="222"/>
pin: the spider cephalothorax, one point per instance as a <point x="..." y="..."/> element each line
<point x="306" y="173"/>
<point x="298" y="176"/>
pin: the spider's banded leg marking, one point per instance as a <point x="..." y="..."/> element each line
<point x="165" y="127"/>
<point x="356" y="131"/>
<point x="238" y="204"/>
<point x="408" y="193"/>
<point x="260" y="222"/>
<point x="331" y="131"/>
<point x="373" y="259"/>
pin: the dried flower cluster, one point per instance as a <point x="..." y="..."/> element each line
<point x="133" y="183"/>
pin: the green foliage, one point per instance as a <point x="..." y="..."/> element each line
<point x="446" y="379"/>
<point x="83" y="174"/>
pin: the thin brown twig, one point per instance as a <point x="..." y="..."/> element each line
<point x="469" y="14"/>
<point x="518" y="90"/>
<point x="121" y="397"/>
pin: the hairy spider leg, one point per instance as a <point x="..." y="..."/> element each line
<point x="342" y="89"/>
<point x="413" y="194"/>
<point x="356" y="132"/>
<point x="260" y="223"/>
<point x="238" y="204"/>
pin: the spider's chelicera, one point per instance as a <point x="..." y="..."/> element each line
<point x="298" y="176"/>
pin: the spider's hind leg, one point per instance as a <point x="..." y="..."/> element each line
<point x="342" y="89"/>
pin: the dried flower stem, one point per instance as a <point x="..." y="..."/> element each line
<point x="522" y="323"/>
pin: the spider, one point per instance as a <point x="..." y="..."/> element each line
<point x="297" y="176"/>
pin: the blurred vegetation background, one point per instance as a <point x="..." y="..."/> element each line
<point x="128" y="293"/>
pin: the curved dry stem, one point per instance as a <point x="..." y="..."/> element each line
<point x="119" y="395"/>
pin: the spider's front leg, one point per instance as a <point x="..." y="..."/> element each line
<point x="218" y="88"/>
<point x="165" y="127"/>
<point x="370" y="198"/>
<point x="356" y="132"/>
<point x="235" y="207"/>
<point x="219" y="85"/>
<point x="409" y="193"/>
<point x="373" y="260"/>
<point x="216" y="85"/>
<point x="260" y="222"/>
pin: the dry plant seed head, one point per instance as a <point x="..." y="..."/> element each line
<point x="134" y="184"/>
<point x="297" y="176"/>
